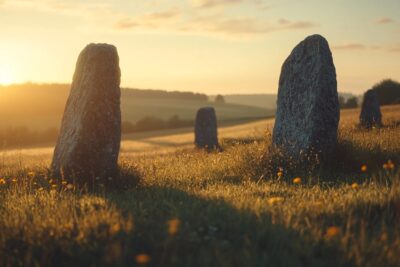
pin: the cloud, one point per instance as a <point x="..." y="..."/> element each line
<point x="211" y="24"/>
<point x="208" y="4"/>
<point x="173" y="13"/>
<point x="104" y="16"/>
<point x="149" y="20"/>
<point x="395" y="48"/>
<point x="349" y="46"/>
<point x="126" y="23"/>
<point x="357" y="46"/>
<point x="69" y="8"/>
<point x="287" y="24"/>
<point x="214" y="3"/>
<point x="384" y="20"/>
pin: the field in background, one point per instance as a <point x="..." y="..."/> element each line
<point x="39" y="107"/>
<point x="154" y="142"/>
<point x="256" y="100"/>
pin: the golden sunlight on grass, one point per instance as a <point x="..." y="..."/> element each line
<point x="188" y="207"/>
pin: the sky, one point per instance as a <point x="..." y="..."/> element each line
<point x="206" y="46"/>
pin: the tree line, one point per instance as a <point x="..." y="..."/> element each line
<point x="14" y="137"/>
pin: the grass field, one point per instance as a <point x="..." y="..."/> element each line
<point x="45" y="106"/>
<point x="239" y="207"/>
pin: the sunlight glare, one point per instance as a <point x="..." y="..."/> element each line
<point x="6" y="75"/>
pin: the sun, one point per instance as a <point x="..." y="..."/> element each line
<point x="6" y="74"/>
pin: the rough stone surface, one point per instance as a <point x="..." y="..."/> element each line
<point x="89" y="140"/>
<point x="206" y="135"/>
<point x="370" y="110"/>
<point x="307" y="114"/>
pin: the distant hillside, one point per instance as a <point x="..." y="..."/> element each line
<point x="41" y="106"/>
<point x="266" y="101"/>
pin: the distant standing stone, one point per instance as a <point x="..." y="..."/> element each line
<point x="206" y="135"/>
<point x="307" y="114"/>
<point x="89" y="140"/>
<point x="370" y="110"/>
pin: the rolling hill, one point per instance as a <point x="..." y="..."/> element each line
<point x="40" y="106"/>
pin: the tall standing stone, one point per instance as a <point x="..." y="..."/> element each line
<point x="307" y="114"/>
<point x="89" y="140"/>
<point x="370" y="110"/>
<point x="206" y="135"/>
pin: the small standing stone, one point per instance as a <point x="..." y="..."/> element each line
<point x="370" y="115"/>
<point x="307" y="114"/>
<point x="89" y="140"/>
<point x="206" y="135"/>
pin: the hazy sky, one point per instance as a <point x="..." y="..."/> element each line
<point x="209" y="46"/>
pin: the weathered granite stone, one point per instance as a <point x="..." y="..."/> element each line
<point x="90" y="134"/>
<point x="205" y="131"/>
<point x="307" y="114"/>
<point x="370" y="110"/>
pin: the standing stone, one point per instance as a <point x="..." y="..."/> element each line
<point x="370" y="110"/>
<point x="205" y="131"/>
<point x="307" y="114"/>
<point x="90" y="134"/>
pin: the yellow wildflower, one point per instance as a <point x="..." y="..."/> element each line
<point x="142" y="258"/>
<point x="14" y="180"/>
<point x="70" y="186"/>
<point x="297" y="180"/>
<point x="64" y="182"/>
<point x="280" y="174"/>
<point x="385" y="166"/>
<point x="390" y="164"/>
<point x="354" y="185"/>
<point x="173" y="226"/>
<point x="364" y="168"/>
<point x="2" y="181"/>
<point x="115" y="228"/>
<point x="53" y="186"/>
<point x="332" y="232"/>
<point x="274" y="200"/>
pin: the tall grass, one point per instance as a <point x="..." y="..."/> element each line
<point x="230" y="208"/>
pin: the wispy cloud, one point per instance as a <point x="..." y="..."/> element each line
<point x="223" y="3"/>
<point x="287" y="24"/>
<point x="101" y="15"/>
<point x="358" y="46"/>
<point x="214" y="24"/>
<point x="349" y="46"/>
<point x="149" y="20"/>
<point x="395" y="48"/>
<point x="384" y="20"/>
<point x="214" y="3"/>
<point x="62" y="7"/>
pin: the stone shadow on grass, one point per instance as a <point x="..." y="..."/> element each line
<point x="211" y="232"/>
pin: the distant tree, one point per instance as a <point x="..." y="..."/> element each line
<point x="174" y="122"/>
<point x="388" y="92"/>
<point x="351" y="102"/>
<point x="148" y="93"/>
<point x="219" y="99"/>
<point x="342" y="101"/>
<point x="127" y="127"/>
<point x="149" y="123"/>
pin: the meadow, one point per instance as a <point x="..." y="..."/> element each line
<point x="45" y="104"/>
<point x="245" y="206"/>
